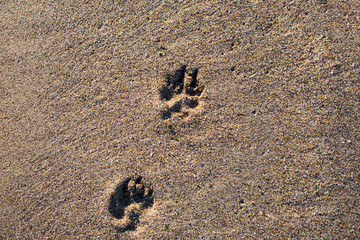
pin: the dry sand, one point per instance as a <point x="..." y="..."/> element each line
<point x="263" y="145"/>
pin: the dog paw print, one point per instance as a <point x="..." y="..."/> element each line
<point x="181" y="92"/>
<point x="130" y="198"/>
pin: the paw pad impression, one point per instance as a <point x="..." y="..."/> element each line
<point x="181" y="92"/>
<point x="130" y="198"/>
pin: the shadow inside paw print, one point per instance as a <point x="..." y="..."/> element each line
<point x="128" y="201"/>
<point x="179" y="101"/>
<point x="193" y="88"/>
<point x="174" y="84"/>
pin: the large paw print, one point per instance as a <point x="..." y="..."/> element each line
<point x="129" y="200"/>
<point x="181" y="92"/>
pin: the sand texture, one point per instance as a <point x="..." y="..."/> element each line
<point x="179" y="119"/>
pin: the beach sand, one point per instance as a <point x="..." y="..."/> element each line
<point x="179" y="119"/>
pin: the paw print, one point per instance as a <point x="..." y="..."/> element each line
<point x="129" y="200"/>
<point x="181" y="92"/>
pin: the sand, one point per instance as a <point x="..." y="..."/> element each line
<point x="109" y="132"/>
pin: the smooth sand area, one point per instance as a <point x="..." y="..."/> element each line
<point x="179" y="119"/>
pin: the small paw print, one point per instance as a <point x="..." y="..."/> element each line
<point x="130" y="198"/>
<point x="181" y="92"/>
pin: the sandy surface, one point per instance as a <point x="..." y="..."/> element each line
<point x="261" y="143"/>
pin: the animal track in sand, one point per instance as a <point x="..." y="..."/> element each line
<point x="130" y="198"/>
<point x="181" y="92"/>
